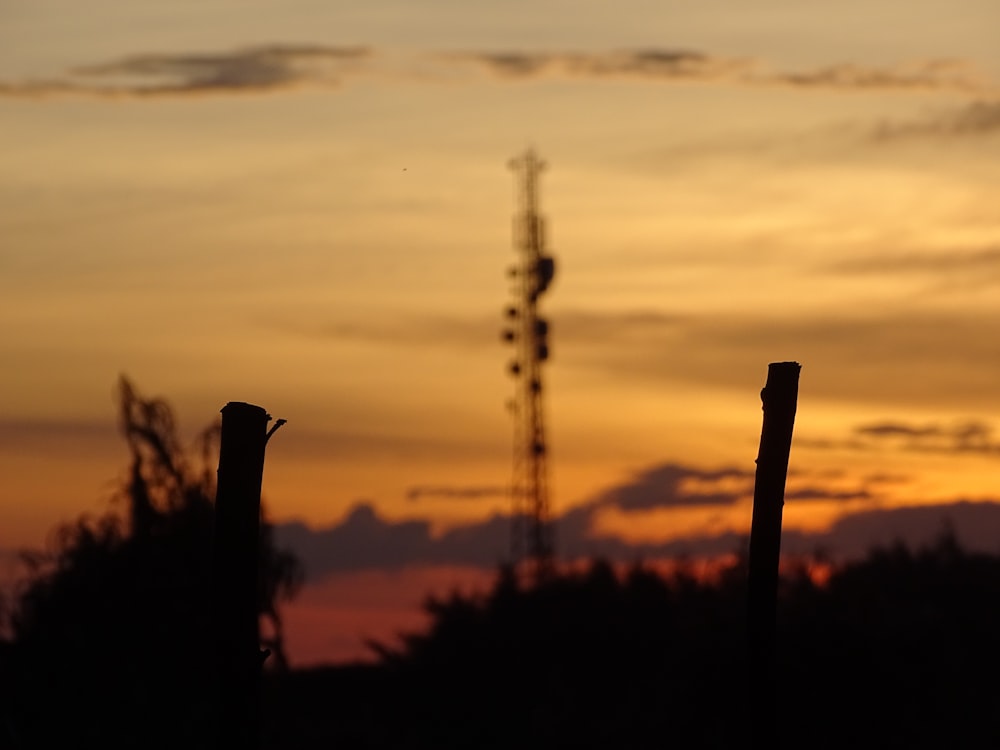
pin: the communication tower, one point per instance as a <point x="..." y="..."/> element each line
<point x="528" y="333"/>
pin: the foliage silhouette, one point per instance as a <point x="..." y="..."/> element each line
<point x="896" y="650"/>
<point x="112" y="627"/>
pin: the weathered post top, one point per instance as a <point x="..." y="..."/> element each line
<point x="782" y="387"/>
<point x="243" y="410"/>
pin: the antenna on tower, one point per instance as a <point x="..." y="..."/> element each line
<point x="528" y="333"/>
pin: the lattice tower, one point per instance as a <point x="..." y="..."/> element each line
<point x="528" y="332"/>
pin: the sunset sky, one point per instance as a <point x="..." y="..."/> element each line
<point x="307" y="206"/>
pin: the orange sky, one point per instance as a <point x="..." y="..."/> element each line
<point x="308" y="208"/>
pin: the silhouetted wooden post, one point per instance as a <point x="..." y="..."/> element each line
<point x="779" y="398"/>
<point x="236" y="562"/>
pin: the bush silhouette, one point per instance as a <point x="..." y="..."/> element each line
<point x="112" y="628"/>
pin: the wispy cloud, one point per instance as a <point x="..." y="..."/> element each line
<point x="871" y="355"/>
<point x="250" y="70"/>
<point x="273" y="68"/>
<point x="969" y="437"/>
<point x="973" y="262"/>
<point x="949" y="271"/>
<point x="980" y="118"/>
<point x="570" y="326"/>
<point x="679" y="65"/>
<point x="816" y="493"/>
<point x="410" y="329"/>
<point x="455" y="492"/>
<point x="928" y="75"/>
<point x="38" y="436"/>
<point x="387" y="443"/>
<point x="660" y="64"/>
<point x="973" y="436"/>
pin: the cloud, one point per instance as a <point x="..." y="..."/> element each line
<point x="414" y="330"/>
<point x="898" y="429"/>
<point x="874" y="355"/>
<point x="38" y="436"/>
<point x="885" y="478"/>
<point x="363" y="540"/>
<point x="672" y="485"/>
<point x="389" y="443"/>
<point x="972" y="436"/>
<point x="973" y="263"/>
<point x="929" y="75"/>
<point x="272" y="68"/>
<point x="680" y="65"/>
<point x="967" y="437"/>
<point x="567" y="326"/>
<point x="249" y="70"/>
<point x="825" y="494"/>
<point x="975" y="523"/>
<point x="660" y="64"/>
<point x="14" y="430"/>
<point x="627" y="325"/>
<point x="366" y="541"/>
<point x="944" y="271"/>
<point x="980" y="118"/>
<point x="452" y="492"/>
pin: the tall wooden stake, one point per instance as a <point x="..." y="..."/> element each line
<point x="236" y="561"/>
<point x="779" y="398"/>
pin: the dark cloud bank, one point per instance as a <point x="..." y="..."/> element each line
<point x="363" y="540"/>
<point x="275" y="67"/>
<point x="250" y="70"/>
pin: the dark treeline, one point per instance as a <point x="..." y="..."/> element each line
<point x="898" y="650"/>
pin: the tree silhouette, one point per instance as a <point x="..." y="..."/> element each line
<point x="896" y="650"/>
<point x="590" y="658"/>
<point x="112" y="627"/>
